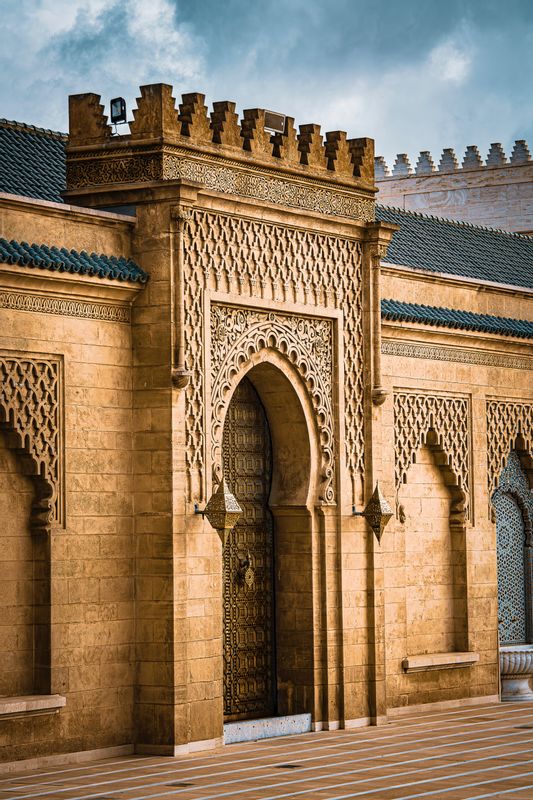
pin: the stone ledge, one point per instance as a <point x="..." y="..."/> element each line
<point x="430" y="661"/>
<point x="31" y="704"/>
<point x="253" y="729"/>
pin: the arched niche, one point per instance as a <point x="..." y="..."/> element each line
<point x="25" y="567"/>
<point x="513" y="506"/>
<point x="432" y="510"/>
<point x="293" y="496"/>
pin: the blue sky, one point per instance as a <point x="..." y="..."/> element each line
<point x="413" y="74"/>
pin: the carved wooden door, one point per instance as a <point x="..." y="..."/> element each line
<point x="249" y="659"/>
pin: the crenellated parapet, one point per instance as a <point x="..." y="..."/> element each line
<point x="163" y="135"/>
<point x="472" y="160"/>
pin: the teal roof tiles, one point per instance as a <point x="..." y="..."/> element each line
<point x="32" y="161"/>
<point x="458" y="248"/>
<point x="395" y="310"/>
<point x="55" y="259"/>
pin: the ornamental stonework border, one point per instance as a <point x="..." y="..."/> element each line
<point x="506" y="421"/>
<point x="267" y="261"/>
<point x="416" y="413"/>
<point x="31" y="411"/>
<point x="307" y="342"/>
<point x="19" y="301"/>
<point x="221" y="175"/>
<point x="459" y="355"/>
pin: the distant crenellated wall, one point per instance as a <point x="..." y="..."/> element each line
<point x="496" y="193"/>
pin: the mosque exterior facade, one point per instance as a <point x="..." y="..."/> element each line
<point x="233" y="331"/>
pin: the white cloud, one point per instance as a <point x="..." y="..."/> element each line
<point x="449" y="62"/>
<point x="106" y="46"/>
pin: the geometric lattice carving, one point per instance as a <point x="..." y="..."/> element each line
<point x="415" y="415"/>
<point x="506" y="420"/>
<point x="30" y="410"/>
<point x="237" y="333"/>
<point x="253" y="258"/>
<point x="513" y="504"/>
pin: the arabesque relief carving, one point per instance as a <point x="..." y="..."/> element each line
<point x="506" y="421"/>
<point x="30" y="412"/>
<point x="132" y="165"/>
<point x="273" y="262"/>
<point x="416" y="414"/>
<point x="307" y="342"/>
<point x="41" y="304"/>
<point x="460" y="355"/>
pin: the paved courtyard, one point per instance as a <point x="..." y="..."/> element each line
<point x="479" y="752"/>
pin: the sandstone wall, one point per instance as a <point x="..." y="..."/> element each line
<point x="442" y="382"/>
<point x="91" y="549"/>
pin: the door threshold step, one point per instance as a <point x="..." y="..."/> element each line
<point x="251" y="729"/>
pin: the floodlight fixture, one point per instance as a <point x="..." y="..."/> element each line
<point x="275" y="122"/>
<point x="118" y="110"/>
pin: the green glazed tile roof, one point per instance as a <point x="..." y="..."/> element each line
<point x="458" y="248"/>
<point x="451" y="318"/>
<point x="54" y="259"/>
<point x="32" y="161"/>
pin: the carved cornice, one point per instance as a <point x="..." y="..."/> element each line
<point x="31" y="412"/>
<point x="21" y="301"/>
<point x="132" y="165"/>
<point x="437" y="353"/>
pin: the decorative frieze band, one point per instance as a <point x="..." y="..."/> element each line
<point x="31" y="412"/>
<point x="459" y="355"/>
<point x="19" y="301"/>
<point x="307" y="342"/>
<point x="220" y="175"/>
<point x="416" y="414"/>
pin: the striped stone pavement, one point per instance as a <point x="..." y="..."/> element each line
<point x="480" y="752"/>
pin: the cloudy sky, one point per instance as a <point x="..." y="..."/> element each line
<point x="413" y="74"/>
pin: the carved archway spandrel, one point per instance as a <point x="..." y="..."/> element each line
<point x="237" y="333"/>
<point x="31" y="414"/>
<point x="447" y="418"/>
<point x="506" y="422"/>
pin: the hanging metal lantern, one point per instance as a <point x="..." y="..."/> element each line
<point x="377" y="512"/>
<point x="223" y="511"/>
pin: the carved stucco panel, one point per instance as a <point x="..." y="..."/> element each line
<point x="506" y="420"/>
<point x="253" y="258"/>
<point x="449" y="417"/>
<point x="307" y="342"/>
<point x="31" y="410"/>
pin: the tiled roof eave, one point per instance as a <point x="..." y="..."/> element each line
<point x="426" y="327"/>
<point x="422" y="317"/>
<point x="45" y="259"/>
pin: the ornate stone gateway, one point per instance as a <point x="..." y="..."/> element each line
<point x="249" y="640"/>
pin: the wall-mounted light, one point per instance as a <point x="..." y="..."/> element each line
<point x="274" y="122"/>
<point x="118" y="110"/>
